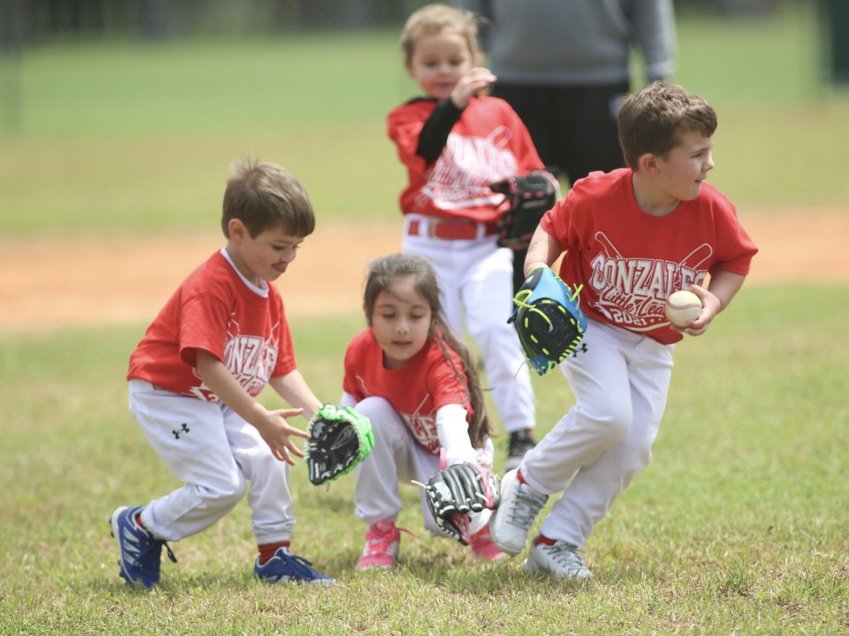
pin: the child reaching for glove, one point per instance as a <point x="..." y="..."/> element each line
<point x="418" y="386"/>
<point x="195" y="374"/>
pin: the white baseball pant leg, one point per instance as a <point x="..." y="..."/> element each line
<point x="214" y="452"/>
<point x="620" y="384"/>
<point x="476" y="284"/>
<point x="396" y="458"/>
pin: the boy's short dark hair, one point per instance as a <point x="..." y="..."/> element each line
<point x="651" y="120"/>
<point x="264" y="195"/>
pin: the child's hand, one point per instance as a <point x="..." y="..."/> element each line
<point x="472" y="83"/>
<point x="276" y="432"/>
<point x="711" y="306"/>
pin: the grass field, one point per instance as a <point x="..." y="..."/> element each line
<point x="117" y="137"/>
<point x="739" y="525"/>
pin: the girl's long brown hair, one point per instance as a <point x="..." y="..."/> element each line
<point x="380" y="275"/>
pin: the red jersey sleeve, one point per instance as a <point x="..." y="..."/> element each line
<point x="358" y="359"/>
<point x="447" y="381"/>
<point x="203" y="320"/>
<point x="286" y="362"/>
<point x="404" y="126"/>
<point x="734" y="246"/>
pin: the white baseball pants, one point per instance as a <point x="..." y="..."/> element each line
<point x="620" y="383"/>
<point x="214" y="452"/>
<point x="398" y="459"/>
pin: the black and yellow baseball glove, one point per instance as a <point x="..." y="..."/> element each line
<point x="548" y="318"/>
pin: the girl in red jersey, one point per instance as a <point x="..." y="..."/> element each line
<point x="417" y="384"/>
<point x="455" y="142"/>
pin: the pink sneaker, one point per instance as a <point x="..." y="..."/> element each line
<point x="484" y="547"/>
<point x="381" y="549"/>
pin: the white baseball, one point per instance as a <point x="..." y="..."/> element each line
<point x="682" y="307"/>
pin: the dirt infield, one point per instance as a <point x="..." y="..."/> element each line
<point x="53" y="282"/>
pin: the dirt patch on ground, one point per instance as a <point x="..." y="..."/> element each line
<point x="53" y="282"/>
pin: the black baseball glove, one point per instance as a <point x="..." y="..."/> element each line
<point x="529" y="197"/>
<point x="456" y="491"/>
<point x="548" y="318"/>
<point x="340" y="438"/>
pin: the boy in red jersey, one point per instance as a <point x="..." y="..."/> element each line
<point x="418" y="386"/>
<point x="194" y="378"/>
<point x="630" y="237"/>
<point x="454" y="142"/>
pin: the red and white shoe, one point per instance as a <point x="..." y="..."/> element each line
<point x="484" y="547"/>
<point x="381" y="549"/>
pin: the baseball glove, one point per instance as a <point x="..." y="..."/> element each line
<point x="529" y="197"/>
<point x="548" y="318"/>
<point x="340" y="438"/>
<point x="456" y="491"/>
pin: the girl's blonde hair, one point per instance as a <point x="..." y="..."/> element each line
<point x="434" y="19"/>
<point x="381" y="273"/>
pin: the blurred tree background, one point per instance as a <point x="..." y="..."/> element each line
<point x="28" y="22"/>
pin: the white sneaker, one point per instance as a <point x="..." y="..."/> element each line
<point x="560" y="559"/>
<point x="515" y="514"/>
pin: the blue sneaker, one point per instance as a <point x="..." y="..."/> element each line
<point x="284" y="567"/>
<point x="140" y="551"/>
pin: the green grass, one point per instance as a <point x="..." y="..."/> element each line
<point x="781" y="129"/>
<point x="738" y="526"/>
<point x="117" y="136"/>
<point x="200" y="86"/>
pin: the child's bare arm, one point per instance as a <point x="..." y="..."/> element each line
<point x="272" y="425"/>
<point x="293" y="388"/>
<point x="543" y="250"/>
<point x="721" y="290"/>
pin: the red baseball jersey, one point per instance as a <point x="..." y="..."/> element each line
<point x="416" y="391"/>
<point x="488" y="143"/>
<point x="216" y="310"/>
<point x="629" y="262"/>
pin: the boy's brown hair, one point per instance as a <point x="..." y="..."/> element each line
<point x="652" y="119"/>
<point x="264" y="195"/>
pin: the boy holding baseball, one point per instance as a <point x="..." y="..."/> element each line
<point x="630" y="237"/>
<point x="193" y="381"/>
